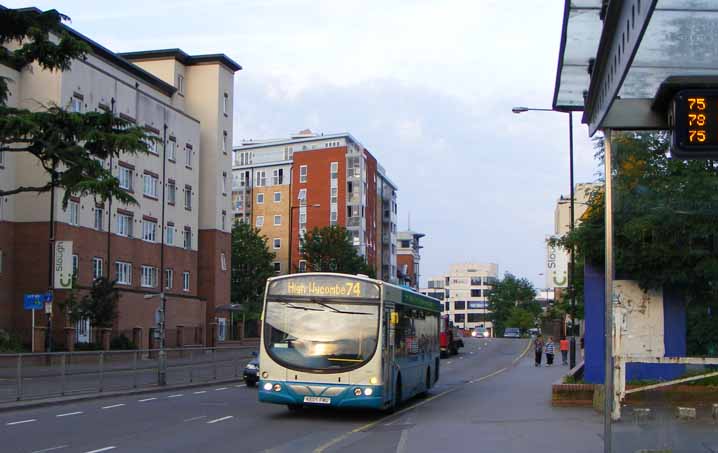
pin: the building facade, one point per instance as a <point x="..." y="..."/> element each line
<point x="464" y="292"/>
<point x="287" y="187"/>
<point x="183" y="196"/>
<point x="408" y="258"/>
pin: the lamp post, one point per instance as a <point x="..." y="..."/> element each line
<point x="572" y="349"/>
<point x="291" y="232"/>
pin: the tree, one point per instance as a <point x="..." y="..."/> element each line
<point x="100" y="305"/>
<point x="251" y="267"/>
<point x="70" y="146"/>
<point x="512" y="300"/>
<point x="330" y="249"/>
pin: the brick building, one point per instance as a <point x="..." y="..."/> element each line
<point x="408" y="258"/>
<point x="186" y="101"/>
<point x="287" y="187"/>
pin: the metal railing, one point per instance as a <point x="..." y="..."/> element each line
<point x="56" y="374"/>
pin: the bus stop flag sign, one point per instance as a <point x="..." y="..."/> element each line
<point x="33" y="301"/>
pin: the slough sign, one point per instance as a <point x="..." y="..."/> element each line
<point x="63" y="265"/>
<point x="556" y="267"/>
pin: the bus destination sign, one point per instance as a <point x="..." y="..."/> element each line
<point x="324" y="286"/>
<point x="695" y="124"/>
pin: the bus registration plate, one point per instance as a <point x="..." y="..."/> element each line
<point x="317" y="400"/>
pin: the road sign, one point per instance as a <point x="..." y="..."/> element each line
<point x="556" y="267"/>
<point x="63" y="265"/>
<point x="33" y="301"/>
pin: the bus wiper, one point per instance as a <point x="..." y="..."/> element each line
<point x="302" y="308"/>
<point x="336" y="310"/>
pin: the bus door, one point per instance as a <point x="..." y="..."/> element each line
<point x="387" y="361"/>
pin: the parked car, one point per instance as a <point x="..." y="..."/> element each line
<point x="512" y="332"/>
<point x="534" y="332"/>
<point x="251" y="371"/>
<point x="480" y="332"/>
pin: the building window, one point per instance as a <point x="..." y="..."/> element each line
<point x="124" y="225"/>
<point x="188" y="156"/>
<point x="260" y="221"/>
<point x="150" y="185"/>
<point x="75" y="266"/>
<point x="149" y="230"/>
<point x="302" y="218"/>
<point x="185" y="281"/>
<point x="97" y="267"/>
<point x="277" y="176"/>
<point x="224" y="183"/>
<point x="172" y="149"/>
<point x="277" y="243"/>
<point x="187" y="238"/>
<point x="277" y="197"/>
<point x="125" y="178"/>
<point x="170" y="235"/>
<point x="169" y="276"/>
<point x="303" y="170"/>
<point x="188" y="197"/>
<point x="459" y="317"/>
<point x="333" y="217"/>
<point x="224" y="142"/>
<point x="334" y="170"/>
<point x="225" y="104"/>
<point x="223" y="261"/>
<point x="152" y="143"/>
<point x="76" y="104"/>
<point x="171" y="192"/>
<point x="277" y="267"/>
<point x="99" y="218"/>
<point x="302" y="266"/>
<point x="123" y="273"/>
<point x="302" y="197"/>
<point x="74" y="212"/>
<point x="149" y="277"/>
<point x="261" y="179"/>
<point x="333" y="197"/>
<point x="260" y="198"/>
<point x="180" y="83"/>
<point x="475" y="293"/>
<point x="459" y="305"/>
<point x="277" y="220"/>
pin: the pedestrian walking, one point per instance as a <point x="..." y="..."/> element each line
<point x="549" y="347"/>
<point x="563" y="346"/>
<point x="538" y="349"/>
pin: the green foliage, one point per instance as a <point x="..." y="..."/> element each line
<point x="99" y="306"/>
<point x="330" y="249"/>
<point x="251" y="267"/>
<point x="122" y="342"/>
<point x="10" y="343"/>
<point x="702" y="321"/>
<point x="513" y="300"/>
<point x="70" y="147"/>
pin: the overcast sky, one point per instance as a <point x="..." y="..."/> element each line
<point x="426" y="86"/>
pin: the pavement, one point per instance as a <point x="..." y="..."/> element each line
<point x="490" y="398"/>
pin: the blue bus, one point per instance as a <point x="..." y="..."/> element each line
<point x="338" y="340"/>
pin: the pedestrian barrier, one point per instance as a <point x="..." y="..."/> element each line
<point x="56" y="374"/>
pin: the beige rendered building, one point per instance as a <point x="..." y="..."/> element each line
<point x="186" y="101"/>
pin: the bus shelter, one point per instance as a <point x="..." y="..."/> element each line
<point x="644" y="74"/>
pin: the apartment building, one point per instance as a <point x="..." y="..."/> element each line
<point x="181" y="187"/>
<point x="408" y="257"/>
<point x="464" y="292"/>
<point x="286" y="187"/>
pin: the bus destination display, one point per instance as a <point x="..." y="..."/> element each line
<point x="695" y="124"/>
<point x="324" y="286"/>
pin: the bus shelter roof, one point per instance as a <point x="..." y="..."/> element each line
<point x="625" y="49"/>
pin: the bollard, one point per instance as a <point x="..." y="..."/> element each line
<point x="134" y="370"/>
<point x="214" y="364"/>
<point x="63" y="364"/>
<point x="715" y="412"/>
<point x="191" y="366"/>
<point x="686" y="413"/>
<point x="19" y="377"/>
<point x="102" y="370"/>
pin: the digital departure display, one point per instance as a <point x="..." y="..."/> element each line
<point x="324" y="286"/>
<point x="695" y="124"/>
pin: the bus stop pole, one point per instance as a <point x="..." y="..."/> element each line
<point x="608" y="299"/>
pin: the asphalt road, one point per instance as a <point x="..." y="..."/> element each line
<point x="229" y="418"/>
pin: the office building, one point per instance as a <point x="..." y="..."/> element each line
<point x="408" y="258"/>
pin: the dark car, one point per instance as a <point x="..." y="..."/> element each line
<point x="251" y="371"/>
<point x="512" y="332"/>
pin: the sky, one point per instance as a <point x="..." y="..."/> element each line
<point x="426" y="86"/>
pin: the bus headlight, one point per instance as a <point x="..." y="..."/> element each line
<point x="373" y="381"/>
<point x="267" y="386"/>
<point x="368" y="391"/>
<point x="265" y="375"/>
<point x="277" y="388"/>
<point x="357" y="392"/>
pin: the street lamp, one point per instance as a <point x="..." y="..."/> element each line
<point x="291" y="233"/>
<point x="517" y="110"/>
<point x="162" y="356"/>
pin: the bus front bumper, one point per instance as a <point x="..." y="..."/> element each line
<point x="313" y="394"/>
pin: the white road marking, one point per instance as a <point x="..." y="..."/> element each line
<point x="221" y="388"/>
<point x="21" y="422"/>
<point x="111" y="447"/>
<point x="146" y="399"/>
<point x="201" y="391"/>
<point x="195" y="418"/>
<point x="51" y="449"/>
<point x="220" y="419"/>
<point x="449" y="362"/>
<point x="113" y="406"/>
<point x="69" y="413"/>
<point x="401" y="446"/>
<point x="461" y="358"/>
<point x="176" y="396"/>
<point x="241" y="385"/>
